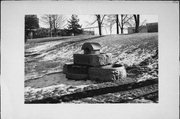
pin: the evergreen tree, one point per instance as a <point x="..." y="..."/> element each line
<point x="73" y="26"/>
<point x="31" y="23"/>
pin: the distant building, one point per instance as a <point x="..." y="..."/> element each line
<point x="143" y="29"/>
<point x="88" y="32"/>
<point x="149" y="27"/>
<point x="152" y="27"/>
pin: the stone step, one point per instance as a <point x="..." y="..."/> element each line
<point x="77" y="76"/>
<point x="94" y="60"/>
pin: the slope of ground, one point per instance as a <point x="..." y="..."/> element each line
<point x="45" y="58"/>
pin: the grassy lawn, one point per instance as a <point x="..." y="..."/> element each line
<point x="129" y="49"/>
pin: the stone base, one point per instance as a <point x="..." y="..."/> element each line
<point x="75" y="71"/>
<point x="107" y="73"/>
<point x="92" y="59"/>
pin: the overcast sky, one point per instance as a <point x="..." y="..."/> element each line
<point x="85" y="20"/>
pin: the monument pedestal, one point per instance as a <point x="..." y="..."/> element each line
<point x="94" y="65"/>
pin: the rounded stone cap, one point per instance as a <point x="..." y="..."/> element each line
<point x="91" y="46"/>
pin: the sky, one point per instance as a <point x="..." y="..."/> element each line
<point x="86" y="20"/>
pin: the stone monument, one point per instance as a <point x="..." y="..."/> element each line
<point x="94" y="65"/>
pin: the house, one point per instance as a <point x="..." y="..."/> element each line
<point x="152" y="27"/>
<point x="149" y="27"/>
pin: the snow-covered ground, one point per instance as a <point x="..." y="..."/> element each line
<point x="44" y="60"/>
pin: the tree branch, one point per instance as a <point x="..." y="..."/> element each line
<point x="102" y="19"/>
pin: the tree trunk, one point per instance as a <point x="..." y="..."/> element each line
<point x="137" y="21"/>
<point x="99" y="24"/>
<point x="100" y="32"/>
<point x="122" y="24"/>
<point x="50" y="24"/>
<point x="122" y="32"/>
<point x="54" y="25"/>
<point x="117" y="23"/>
<point x="54" y="28"/>
<point x="110" y="28"/>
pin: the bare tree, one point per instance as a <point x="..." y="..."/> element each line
<point x="110" y="27"/>
<point x="110" y="21"/>
<point x="100" y="21"/>
<point x="54" y="22"/>
<point x="125" y="21"/>
<point x="122" y="22"/>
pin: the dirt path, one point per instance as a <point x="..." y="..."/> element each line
<point x="54" y="79"/>
<point x="99" y="93"/>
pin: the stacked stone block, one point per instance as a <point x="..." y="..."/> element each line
<point x="94" y="60"/>
<point x="93" y="65"/>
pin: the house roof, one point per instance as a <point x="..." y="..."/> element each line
<point x="154" y="23"/>
<point x="91" y="46"/>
